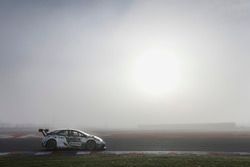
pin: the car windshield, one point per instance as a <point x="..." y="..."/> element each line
<point x="86" y="134"/>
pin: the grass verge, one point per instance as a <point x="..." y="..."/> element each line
<point x="124" y="161"/>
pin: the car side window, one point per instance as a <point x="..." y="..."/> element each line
<point x="81" y="134"/>
<point x="63" y="133"/>
<point x="73" y="133"/>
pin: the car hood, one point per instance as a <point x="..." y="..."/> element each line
<point x="96" y="137"/>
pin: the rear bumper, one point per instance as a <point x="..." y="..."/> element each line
<point x="43" y="144"/>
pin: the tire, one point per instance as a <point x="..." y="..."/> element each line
<point x="91" y="145"/>
<point x="51" y="144"/>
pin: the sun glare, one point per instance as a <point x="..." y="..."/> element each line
<point x="157" y="73"/>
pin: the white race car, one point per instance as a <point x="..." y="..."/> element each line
<point x="71" y="138"/>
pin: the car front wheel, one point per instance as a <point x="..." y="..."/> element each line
<point x="91" y="145"/>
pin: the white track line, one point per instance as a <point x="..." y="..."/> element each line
<point x="244" y="153"/>
<point x="3" y="136"/>
<point x="29" y="136"/>
<point x="175" y="153"/>
<point x="43" y="153"/>
<point x="157" y="153"/>
<point x="4" y="153"/>
<point x="6" y="136"/>
<point x="82" y="152"/>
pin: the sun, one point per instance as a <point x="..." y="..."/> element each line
<point x="157" y="73"/>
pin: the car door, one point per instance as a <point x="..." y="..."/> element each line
<point x="84" y="139"/>
<point x="62" y="139"/>
<point x="73" y="139"/>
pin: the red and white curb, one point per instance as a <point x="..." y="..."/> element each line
<point x="156" y="153"/>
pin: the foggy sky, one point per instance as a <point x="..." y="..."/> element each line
<point x="69" y="63"/>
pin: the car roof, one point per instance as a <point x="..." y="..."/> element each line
<point x="56" y="130"/>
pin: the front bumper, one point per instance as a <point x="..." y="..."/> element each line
<point x="101" y="146"/>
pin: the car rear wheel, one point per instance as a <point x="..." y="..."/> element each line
<point x="51" y="145"/>
<point x="91" y="145"/>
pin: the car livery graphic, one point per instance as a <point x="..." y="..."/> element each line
<point x="71" y="138"/>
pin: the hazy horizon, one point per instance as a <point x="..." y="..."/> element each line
<point x="211" y="127"/>
<point x="120" y="64"/>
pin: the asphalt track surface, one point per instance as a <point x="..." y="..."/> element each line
<point x="146" y="141"/>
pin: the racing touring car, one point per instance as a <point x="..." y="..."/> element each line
<point x="71" y="138"/>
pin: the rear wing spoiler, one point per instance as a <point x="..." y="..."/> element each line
<point x="43" y="131"/>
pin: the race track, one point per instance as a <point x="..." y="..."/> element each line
<point x="146" y="141"/>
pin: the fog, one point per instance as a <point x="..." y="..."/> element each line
<point x="74" y="63"/>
